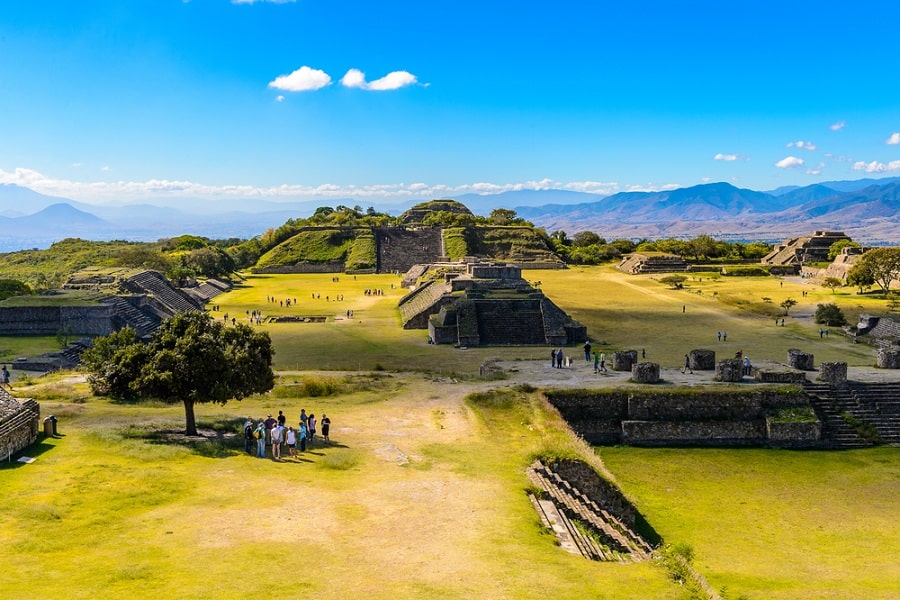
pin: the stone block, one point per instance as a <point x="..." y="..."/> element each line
<point x="888" y="359"/>
<point x="730" y="370"/>
<point x="645" y="372"/>
<point x="800" y="360"/>
<point x="624" y="360"/>
<point x="833" y="373"/>
<point x="702" y="360"/>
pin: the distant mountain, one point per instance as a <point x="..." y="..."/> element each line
<point x="867" y="209"/>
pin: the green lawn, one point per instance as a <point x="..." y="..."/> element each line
<point x="772" y="523"/>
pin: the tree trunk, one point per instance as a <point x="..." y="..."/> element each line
<point x="190" y="427"/>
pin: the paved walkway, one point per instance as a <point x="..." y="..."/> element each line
<point x="581" y="374"/>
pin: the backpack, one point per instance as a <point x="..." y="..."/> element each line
<point x="256" y="434"/>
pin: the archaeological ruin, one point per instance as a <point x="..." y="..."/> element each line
<point x="19" y="421"/>
<point x="799" y="250"/>
<point x="479" y="304"/>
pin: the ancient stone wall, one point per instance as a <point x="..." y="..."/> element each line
<point x="645" y="372"/>
<point x="49" y="320"/>
<point x="336" y="266"/>
<point x="798" y="359"/>
<point x="18" y="424"/>
<point x="602" y="492"/>
<point x="624" y="360"/>
<point x="833" y="373"/>
<point x="702" y="360"/>
<point x="792" y="435"/>
<point x="888" y="359"/>
<point x="730" y="370"/>
<point x="678" y="417"/>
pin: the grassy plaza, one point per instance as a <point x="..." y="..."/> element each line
<point x="422" y="491"/>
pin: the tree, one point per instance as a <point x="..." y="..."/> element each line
<point x="13" y="287"/>
<point x="583" y="239"/>
<point x="883" y="264"/>
<point x="113" y="362"/>
<point x="676" y="281"/>
<point x="832" y="283"/>
<point x="830" y="314"/>
<point x="191" y="358"/>
<point x="787" y="304"/>
<point x="502" y="216"/>
<point x="838" y="246"/>
<point x="861" y="276"/>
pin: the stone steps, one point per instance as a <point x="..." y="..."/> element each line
<point x="617" y="541"/>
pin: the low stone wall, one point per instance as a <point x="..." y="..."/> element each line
<point x="730" y="370"/>
<point x="325" y="267"/>
<point x="793" y="435"/>
<point x="645" y="372"/>
<point x="49" y="320"/>
<point x="682" y="417"/>
<point x="19" y="420"/>
<point x="691" y="433"/>
<point x="779" y="376"/>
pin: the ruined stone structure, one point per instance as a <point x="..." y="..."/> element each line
<point x="799" y="250"/>
<point x="477" y="304"/>
<point x="645" y="372"/>
<point x="833" y="373"/>
<point x="624" y="360"/>
<point x="702" y="360"/>
<point x="19" y="421"/>
<point x="94" y="303"/>
<point x="888" y="358"/>
<point x="730" y="370"/>
<point x="884" y="332"/>
<point x="731" y="418"/>
<point x="638" y="263"/>
<point x="855" y="414"/>
<point x="842" y="263"/>
<point x="800" y="360"/>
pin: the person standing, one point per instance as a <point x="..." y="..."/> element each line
<point x="302" y="435"/>
<point x="687" y="365"/>
<point x="4" y="377"/>
<point x="260" y="434"/>
<point x="277" y="439"/>
<point x="292" y="441"/>
<point x="311" y="427"/>
<point x="326" y="427"/>
<point x="552" y="358"/>
<point x="269" y="423"/>
<point x="587" y="351"/>
<point x="248" y="435"/>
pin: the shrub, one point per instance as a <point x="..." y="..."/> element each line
<point x="830" y="314"/>
<point x="745" y="272"/>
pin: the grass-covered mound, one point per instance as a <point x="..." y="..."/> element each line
<point x="518" y="243"/>
<point x="321" y="245"/>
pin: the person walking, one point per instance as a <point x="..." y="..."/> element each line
<point x="603" y="361"/>
<point x="596" y="361"/>
<point x="687" y="365"/>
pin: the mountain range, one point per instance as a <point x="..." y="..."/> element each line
<point x="867" y="209"/>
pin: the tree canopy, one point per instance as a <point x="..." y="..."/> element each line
<point x="191" y="358"/>
<point x="881" y="266"/>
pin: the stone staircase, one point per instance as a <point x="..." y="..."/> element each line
<point x="399" y="249"/>
<point x="155" y="284"/>
<point x="143" y="323"/>
<point x="420" y="301"/>
<point x="512" y="322"/>
<point x="876" y="405"/>
<point x="598" y="535"/>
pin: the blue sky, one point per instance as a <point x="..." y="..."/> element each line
<point x="128" y="101"/>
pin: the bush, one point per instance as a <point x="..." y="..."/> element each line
<point x="746" y="272"/>
<point x="830" y="314"/>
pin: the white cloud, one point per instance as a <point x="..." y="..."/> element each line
<point x="354" y="78"/>
<point x="105" y="168"/>
<point x="728" y="157"/>
<point x="837" y="126"/>
<point x="304" y="79"/>
<point x="123" y="192"/>
<point x="894" y="139"/>
<point x="279" y="98"/>
<point x="789" y="162"/>
<point x="877" y="167"/>
<point x="802" y="144"/>
<point x="817" y="170"/>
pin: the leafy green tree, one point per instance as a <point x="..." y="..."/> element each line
<point x="787" y="304"/>
<point x="503" y="216"/>
<point x="832" y="283"/>
<point x="113" y="362"/>
<point x="838" y="246"/>
<point x="583" y="239"/>
<point x="13" y="287"/>
<point x="883" y="264"/>
<point x="861" y="276"/>
<point x="190" y="359"/>
<point x="830" y="314"/>
<point x="676" y="281"/>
